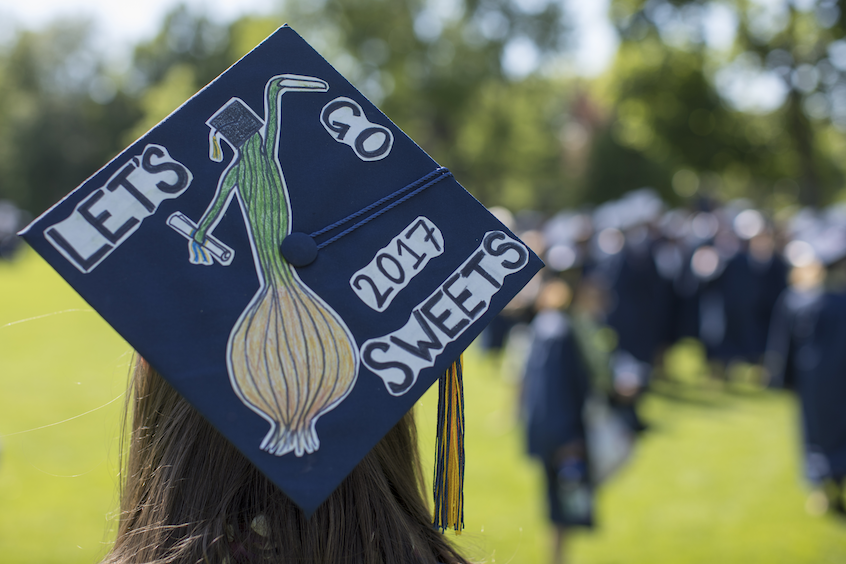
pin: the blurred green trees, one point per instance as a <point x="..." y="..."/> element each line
<point x="730" y="98"/>
<point x="56" y="127"/>
<point x="733" y="99"/>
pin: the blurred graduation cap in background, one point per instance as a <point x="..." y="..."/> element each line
<point x="823" y="243"/>
<point x="817" y="236"/>
<point x="290" y="262"/>
<point x="640" y="207"/>
<point x="566" y="235"/>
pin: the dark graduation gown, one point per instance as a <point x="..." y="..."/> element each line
<point x="732" y="292"/>
<point x="555" y="386"/>
<point x="494" y="336"/>
<point x="806" y="351"/>
<point x="639" y="301"/>
<point x="669" y="258"/>
<point x="748" y="291"/>
<point x="769" y="280"/>
<point x="686" y="288"/>
<point x="555" y="389"/>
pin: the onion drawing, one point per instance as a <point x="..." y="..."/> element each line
<point x="290" y="357"/>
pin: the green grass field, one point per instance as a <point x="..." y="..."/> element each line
<point x="715" y="480"/>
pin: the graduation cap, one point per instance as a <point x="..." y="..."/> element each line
<point x="291" y="263"/>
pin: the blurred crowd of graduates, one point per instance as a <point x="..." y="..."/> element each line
<point x="630" y="278"/>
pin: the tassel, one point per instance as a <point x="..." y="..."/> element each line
<point x="215" y="152"/>
<point x="448" y="484"/>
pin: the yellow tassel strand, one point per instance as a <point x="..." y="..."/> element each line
<point x="215" y="152"/>
<point x="448" y="483"/>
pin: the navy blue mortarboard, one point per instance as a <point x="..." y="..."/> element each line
<point x="289" y="260"/>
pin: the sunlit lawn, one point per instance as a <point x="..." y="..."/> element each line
<point x="715" y="480"/>
<point x="57" y="484"/>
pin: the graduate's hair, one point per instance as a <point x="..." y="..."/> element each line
<point x="188" y="496"/>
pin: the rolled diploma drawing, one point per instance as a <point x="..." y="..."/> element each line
<point x="185" y="227"/>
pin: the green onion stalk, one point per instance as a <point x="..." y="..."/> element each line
<point x="290" y="356"/>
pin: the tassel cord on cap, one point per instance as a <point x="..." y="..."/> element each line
<point x="448" y="483"/>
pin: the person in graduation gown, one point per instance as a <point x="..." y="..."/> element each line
<point x="638" y="307"/>
<point x="555" y="388"/>
<point x="769" y="277"/>
<point x="806" y="353"/>
<point x="638" y="303"/>
<point x="11" y="220"/>
<point x="746" y="287"/>
<point x="727" y="306"/>
<point x="264" y="347"/>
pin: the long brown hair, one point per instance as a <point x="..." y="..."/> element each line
<point x="188" y="496"/>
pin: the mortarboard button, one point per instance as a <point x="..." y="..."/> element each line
<point x="299" y="249"/>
